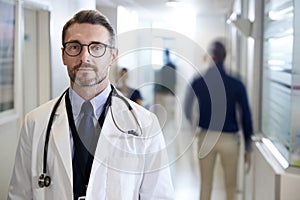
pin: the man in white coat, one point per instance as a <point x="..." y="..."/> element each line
<point x="127" y="165"/>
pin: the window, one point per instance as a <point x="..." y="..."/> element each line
<point x="7" y="28"/>
<point x="280" y="90"/>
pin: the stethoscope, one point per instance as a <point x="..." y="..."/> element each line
<point x="44" y="179"/>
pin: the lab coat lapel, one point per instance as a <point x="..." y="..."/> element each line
<point x="116" y="161"/>
<point x="114" y="144"/>
<point x="98" y="183"/>
<point x="108" y="137"/>
<point x="61" y="136"/>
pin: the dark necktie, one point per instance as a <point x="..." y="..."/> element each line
<point x="84" y="150"/>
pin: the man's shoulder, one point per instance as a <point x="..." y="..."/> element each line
<point x="42" y="110"/>
<point x="235" y="82"/>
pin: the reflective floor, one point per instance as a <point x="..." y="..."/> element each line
<point x="186" y="177"/>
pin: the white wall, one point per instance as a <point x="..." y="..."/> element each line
<point x="289" y="186"/>
<point x="8" y="142"/>
<point x="272" y="181"/>
<point x="266" y="179"/>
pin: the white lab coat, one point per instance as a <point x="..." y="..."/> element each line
<point x="125" y="166"/>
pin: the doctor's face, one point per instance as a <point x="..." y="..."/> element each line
<point x="86" y="55"/>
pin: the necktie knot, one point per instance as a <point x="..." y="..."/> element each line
<point x="87" y="108"/>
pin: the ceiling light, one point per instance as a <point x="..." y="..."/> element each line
<point x="172" y="3"/>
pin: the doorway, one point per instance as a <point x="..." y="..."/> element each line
<point x="36" y="58"/>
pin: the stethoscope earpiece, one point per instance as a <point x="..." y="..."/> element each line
<point x="44" y="181"/>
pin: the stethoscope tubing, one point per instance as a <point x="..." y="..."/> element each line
<point x="49" y="126"/>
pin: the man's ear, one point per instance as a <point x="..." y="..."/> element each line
<point x="63" y="55"/>
<point x="114" y="55"/>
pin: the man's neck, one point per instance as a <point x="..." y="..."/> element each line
<point x="89" y="92"/>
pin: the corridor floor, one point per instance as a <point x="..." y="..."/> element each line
<point x="186" y="177"/>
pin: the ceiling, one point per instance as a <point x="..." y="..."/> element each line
<point x="201" y="7"/>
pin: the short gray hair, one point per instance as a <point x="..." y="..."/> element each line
<point x="90" y="17"/>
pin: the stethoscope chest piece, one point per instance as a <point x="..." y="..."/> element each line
<point x="44" y="181"/>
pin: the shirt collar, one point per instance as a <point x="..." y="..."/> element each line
<point x="97" y="102"/>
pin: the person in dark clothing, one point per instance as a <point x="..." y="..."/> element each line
<point x="131" y="93"/>
<point x="165" y="78"/>
<point x="220" y="98"/>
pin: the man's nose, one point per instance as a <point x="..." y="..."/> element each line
<point x="84" y="54"/>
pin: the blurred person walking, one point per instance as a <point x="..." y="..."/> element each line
<point x="227" y="140"/>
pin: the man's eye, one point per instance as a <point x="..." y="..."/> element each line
<point x="74" y="47"/>
<point x="97" y="47"/>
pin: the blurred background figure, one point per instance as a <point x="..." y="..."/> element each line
<point x="131" y="93"/>
<point x="217" y="135"/>
<point x="165" y="78"/>
<point x="165" y="90"/>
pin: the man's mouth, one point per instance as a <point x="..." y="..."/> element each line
<point x="85" y="67"/>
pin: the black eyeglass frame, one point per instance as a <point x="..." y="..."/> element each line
<point x="88" y="47"/>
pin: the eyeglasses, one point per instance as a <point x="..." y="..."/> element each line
<point x="96" y="49"/>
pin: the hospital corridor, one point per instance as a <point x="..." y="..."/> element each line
<point x="203" y="93"/>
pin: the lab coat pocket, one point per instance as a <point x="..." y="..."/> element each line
<point x="124" y="178"/>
